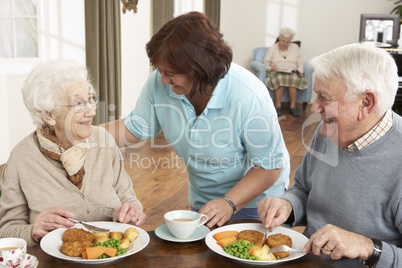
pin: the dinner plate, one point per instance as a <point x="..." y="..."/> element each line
<point x="51" y="242"/>
<point x="298" y="241"/>
<point x="164" y="233"/>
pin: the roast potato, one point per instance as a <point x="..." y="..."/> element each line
<point x="131" y="234"/>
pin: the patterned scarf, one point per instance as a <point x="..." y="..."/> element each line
<point x="72" y="159"/>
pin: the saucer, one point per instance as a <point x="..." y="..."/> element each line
<point x="29" y="261"/>
<point x="164" y="233"/>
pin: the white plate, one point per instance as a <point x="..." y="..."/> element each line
<point x="164" y="233"/>
<point x="298" y="241"/>
<point x="51" y="242"/>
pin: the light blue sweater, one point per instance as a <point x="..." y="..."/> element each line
<point x="358" y="191"/>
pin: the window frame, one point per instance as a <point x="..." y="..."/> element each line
<point x="24" y="64"/>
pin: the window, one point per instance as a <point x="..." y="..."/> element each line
<point x="18" y="29"/>
<point x="184" y="6"/>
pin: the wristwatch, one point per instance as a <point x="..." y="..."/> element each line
<point x="230" y="203"/>
<point x="372" y="261"/>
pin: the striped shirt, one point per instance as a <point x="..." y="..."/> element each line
<point x="379" y="130"/>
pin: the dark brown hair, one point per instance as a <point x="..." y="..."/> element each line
<point x="191" y="44"/>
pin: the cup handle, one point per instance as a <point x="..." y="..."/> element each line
<point x="204" y="221"/>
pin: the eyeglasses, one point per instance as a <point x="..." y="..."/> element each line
<point x="80" y="105"/>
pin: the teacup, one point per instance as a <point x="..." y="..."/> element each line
<point x="183" y="223"/>
<point x="12" y="251"/>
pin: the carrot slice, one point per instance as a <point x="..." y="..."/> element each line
<point x="95" y="252"/>
<point x="226" y="241"/>
<point x="84" y="254"/>
<point x="225" y="234"/>
<point x="111" y="252"/>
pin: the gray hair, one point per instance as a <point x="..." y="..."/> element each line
<point x="47" y="82"/>
<point x="287" y="33"/>
<point x="362" y="68"/>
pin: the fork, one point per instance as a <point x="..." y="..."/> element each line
<point x="108" y="211"/>
<point x="284" y="248"/>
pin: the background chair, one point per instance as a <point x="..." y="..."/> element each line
<point x="258" y="68"/>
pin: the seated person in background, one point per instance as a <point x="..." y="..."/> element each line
<point x="348" y="190"/>
<point x="285" y="69"/>
<point x="66" y="168"/>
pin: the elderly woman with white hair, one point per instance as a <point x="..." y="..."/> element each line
<point x="66" y="168"/>
<point x="285" y="69"/>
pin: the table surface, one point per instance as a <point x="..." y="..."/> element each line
<point x="161" y="253"/>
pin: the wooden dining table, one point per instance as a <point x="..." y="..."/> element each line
<point x="162" y="253"/>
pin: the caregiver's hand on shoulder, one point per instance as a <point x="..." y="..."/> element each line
<point x="218" y="212"/>
<point x="50" y="219"/>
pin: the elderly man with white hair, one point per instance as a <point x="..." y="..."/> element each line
<point x="66" y="168"/>
<point x="348" y="190"/>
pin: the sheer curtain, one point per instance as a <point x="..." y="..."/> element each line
<point x="103" y="55"/>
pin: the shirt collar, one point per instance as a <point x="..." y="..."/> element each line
<point x="379" y="130"/>
<point x="219" y="95"/>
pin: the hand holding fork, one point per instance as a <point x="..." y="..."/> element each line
<point x="127" y="213"/>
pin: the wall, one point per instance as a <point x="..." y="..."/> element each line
<point x="135" y="33"/>
<point x="321" y="25"/>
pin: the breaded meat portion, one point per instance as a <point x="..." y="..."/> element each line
<point x="75" y="234"/>
<point x="278" y="240"/>
<point x="75" y="248"/>
<point x="252" y="236"/>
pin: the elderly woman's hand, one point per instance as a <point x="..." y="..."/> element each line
<point x="274" y="211"/>
<point x="218" y="212"/>
<point x="337" y="243"/>
<point x="130" y="213"/>
<point x="50" y="219"/>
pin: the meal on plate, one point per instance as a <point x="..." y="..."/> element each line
<point x="75" y="241"/>
<point x="251" y="236"/>
<point x="81" y="243"/>
<point x="247" y="244"/>
<point x="278" y="240"/>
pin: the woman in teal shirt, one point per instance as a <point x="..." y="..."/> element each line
<point x="216" y="115"/>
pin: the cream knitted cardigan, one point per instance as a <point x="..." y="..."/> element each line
<point x="32" y="181"/>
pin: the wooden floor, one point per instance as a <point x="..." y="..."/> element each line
<point x="161" y="180"/>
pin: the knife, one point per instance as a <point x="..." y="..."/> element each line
<point x="91" y="227"/>
<point x="265" y="237"/>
